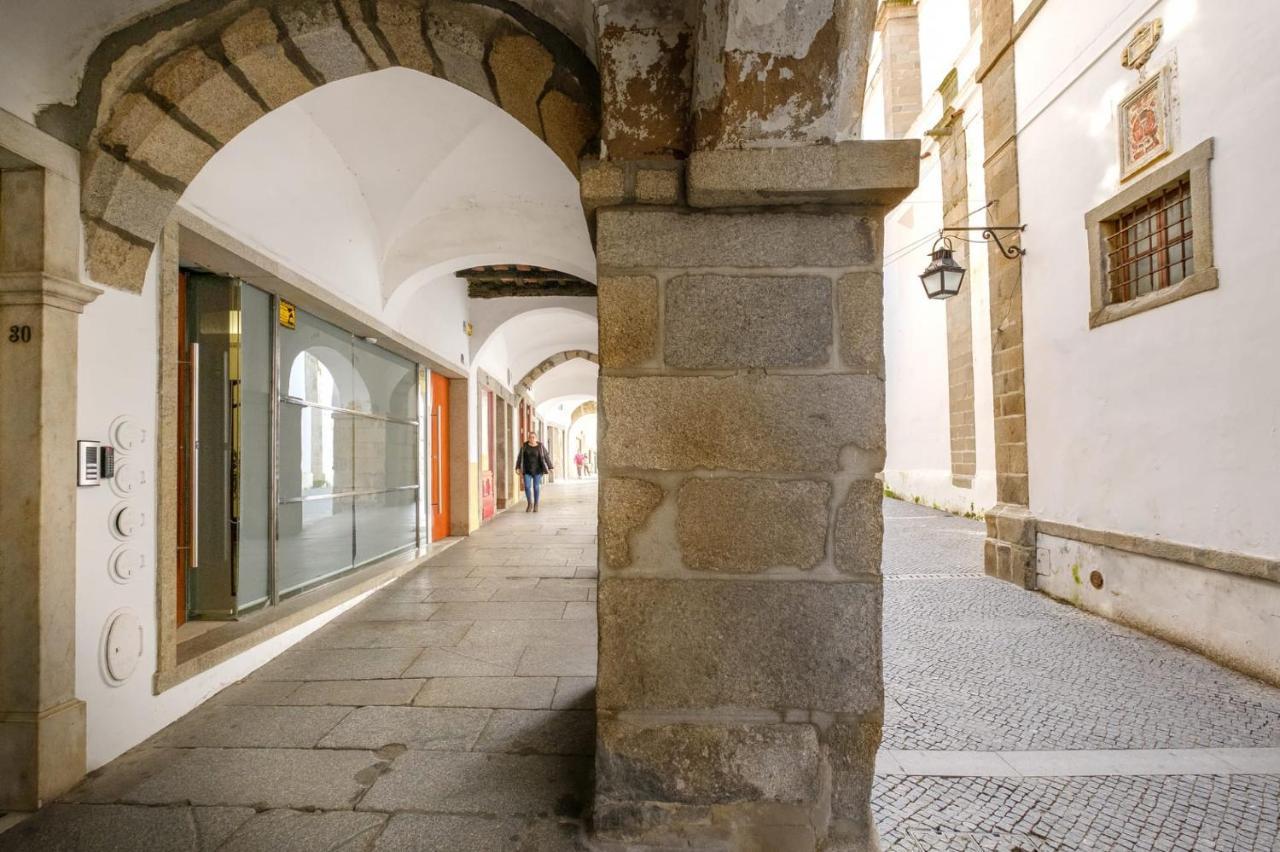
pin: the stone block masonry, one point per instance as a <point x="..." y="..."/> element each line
<point x="742" y="427"/>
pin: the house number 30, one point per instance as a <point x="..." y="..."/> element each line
<point x="19" y="334"/>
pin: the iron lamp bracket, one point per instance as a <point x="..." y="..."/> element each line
<point x="992" y="233"/>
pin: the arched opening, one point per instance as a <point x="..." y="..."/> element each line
<point x="150" y="120"/>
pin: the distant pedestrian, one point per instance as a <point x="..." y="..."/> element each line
<point x="580" y="459"/>
<point x="533" y="463"/>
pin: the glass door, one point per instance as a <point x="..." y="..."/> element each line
<point x="227" y="446"/>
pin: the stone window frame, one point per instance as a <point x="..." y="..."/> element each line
<point x="1193" y="166"/>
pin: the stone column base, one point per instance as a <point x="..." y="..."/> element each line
<point x="42" y="754"/>
<point x="1010" y="552"/>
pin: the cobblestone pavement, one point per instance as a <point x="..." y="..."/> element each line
<point x="1214" y="813"/>
<point x="972" y="663"/>
<point x="452" y="711"/>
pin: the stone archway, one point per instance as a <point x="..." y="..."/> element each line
<point x="162" y="96"/>
<point x="588" y="407"/>
<point x="551" y="363"/>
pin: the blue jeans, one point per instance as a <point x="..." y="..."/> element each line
<point x="533" y="487"/>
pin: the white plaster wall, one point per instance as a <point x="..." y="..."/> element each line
<point x="944" y="32"/>
<point x="117" y="376"/>
<point x="1163" y="424"/>
<point x="918" y="460"/>
<point x="917" y="408"/>
<point x="873" y="118"/>
<point x="44" y="45"/>
<point x="1233" y="620"/>
<point x="435" y="313"/>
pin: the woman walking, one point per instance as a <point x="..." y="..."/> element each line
<point x="533" y="462"/>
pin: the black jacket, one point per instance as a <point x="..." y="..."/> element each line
<point x="533" y="460"/>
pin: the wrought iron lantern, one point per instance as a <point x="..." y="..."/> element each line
<point x="943" y="276"/>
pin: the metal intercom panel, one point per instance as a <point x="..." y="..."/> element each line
<point x="106" y="462"/>
<point x="87" y="462"/>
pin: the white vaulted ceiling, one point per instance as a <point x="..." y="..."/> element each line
<point x="380" y="185"/>
<point x="576" y="378"/>
<point x="527" y="339"/>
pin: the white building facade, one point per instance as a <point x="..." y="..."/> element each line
<point x="1125" y="440"/>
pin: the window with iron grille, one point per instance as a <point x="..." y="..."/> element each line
<point x="1152" y="243"/>
<point x="1149" y="245"/>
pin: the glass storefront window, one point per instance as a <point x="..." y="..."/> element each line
<point x="344" y="449"/>
<point x="348" y="453"/>
<point x="387" y="384"/>
<point x="315" y="541"/>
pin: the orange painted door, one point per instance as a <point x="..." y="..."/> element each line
<point x="439" y="440"/>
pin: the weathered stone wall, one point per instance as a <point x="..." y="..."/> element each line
<point x="742" y="428"/>
<point x="953" y="155"/>
<point x="899" y="26"/>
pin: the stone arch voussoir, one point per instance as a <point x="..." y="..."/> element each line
<point x="526" y="384"/>
<point x="160" y="118"/>
<point x="587" y="408"/>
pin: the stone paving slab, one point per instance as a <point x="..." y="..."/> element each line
<point x="112" y="783"/>
<point x="339" y="664"/>
<point x="260" y="692"/>
<point x="560" y="571"/>
<point x="231" y="726"/>
<point x="355" y="693"/>
<point x="396" y="634"/>
<point x="74" y="828"/>
<point x="559" y="659"/>
<point x="580" y="609"/>
<point x="436" y="728"/>
<point x="500" y="611"/>
<point x="470" y="660"/>
<point x="294" y="831"/>
<point x="460" y="595"/>
<point x="261" y="777"/>
<point x="478" y="783"/>
<point x="546" y="590"/>
<point x="379" y="609"/>
<point x="539" y="732"/>
<point x="575" y="693"/>
<point x="520" y="693"/>
<point x="523" y="632"/>
<point x="449" y="833"/>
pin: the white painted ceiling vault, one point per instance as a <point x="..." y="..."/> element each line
<point x="380" y="187"/>
<point x="380" y="184"/>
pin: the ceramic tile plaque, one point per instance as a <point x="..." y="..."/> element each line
<point x="1143" y="120"/>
